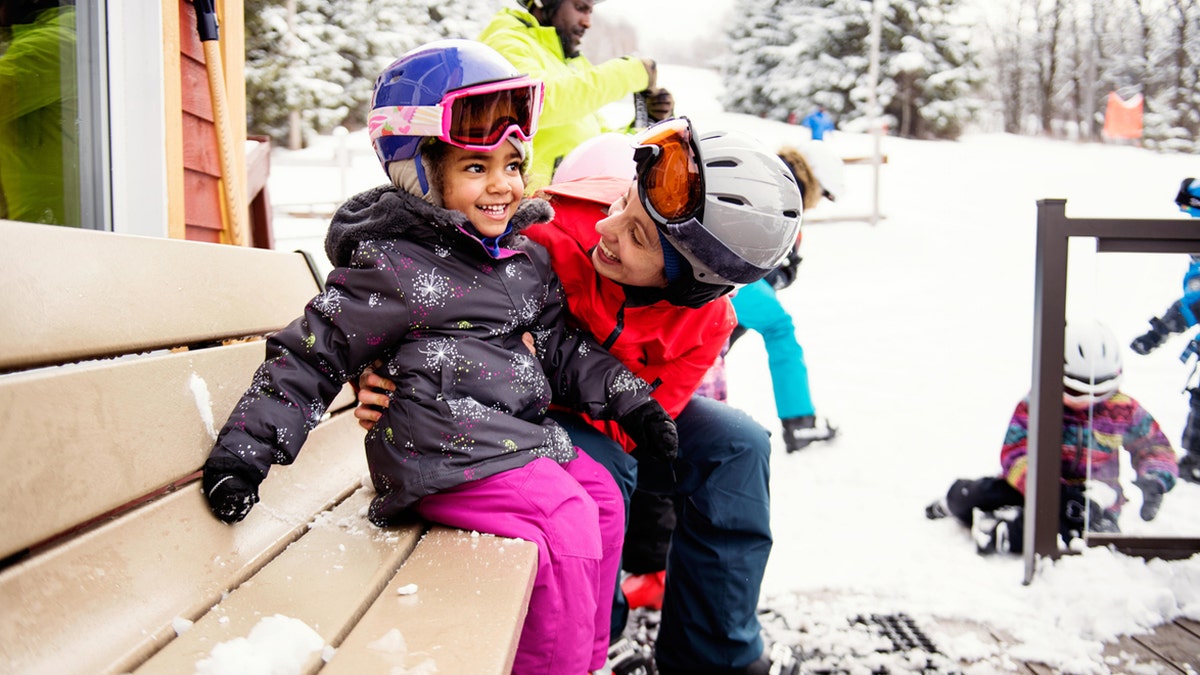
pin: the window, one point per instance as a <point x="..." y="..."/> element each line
<point x="51" y="145"/>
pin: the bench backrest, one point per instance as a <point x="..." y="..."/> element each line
<point x="90" y="436"/>
<point x="120" y="359"/>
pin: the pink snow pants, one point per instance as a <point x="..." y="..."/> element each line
<point x="575" y="514"/>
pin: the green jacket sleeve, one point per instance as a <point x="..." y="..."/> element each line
<point x="574" y="87"/>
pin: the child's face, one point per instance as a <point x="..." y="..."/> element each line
<point x="629" y="251"/>
<point x="486" y="186"/>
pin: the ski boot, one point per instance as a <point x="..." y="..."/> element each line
<point x="798" y="432"/>
<point x="627" y="657"/>
<point x="998" y="531"/>
<point x="1189" y="467"/>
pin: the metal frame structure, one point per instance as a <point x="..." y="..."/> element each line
<point x="1054" y="231"/>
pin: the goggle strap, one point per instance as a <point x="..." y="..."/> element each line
<point x="406" y="120"/>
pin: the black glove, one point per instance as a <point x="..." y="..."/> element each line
<point x="1152" y="495"/>
<point x="231" y="488"/>
<point x="1072" y="509"/>
<point x="652" y="429"/>
<point x="1159" y="330"/>
<point x="1148" y="341"/>
<point x="660" y="105"/>
<point x="651" y="75"/>
<point x="1189" y="194"/>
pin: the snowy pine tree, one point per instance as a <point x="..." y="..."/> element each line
<point x="318" y="59"/>
<point x="757" y="41"/>
<point x="789" y="56"/>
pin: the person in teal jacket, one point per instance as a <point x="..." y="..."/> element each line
<point x="542" y="41"/>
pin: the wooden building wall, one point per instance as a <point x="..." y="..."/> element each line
<point x="198" y="187"/>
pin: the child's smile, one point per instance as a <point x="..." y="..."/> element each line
<point x="485" y="186"/>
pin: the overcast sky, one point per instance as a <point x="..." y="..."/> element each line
<point x="670" y="21"/>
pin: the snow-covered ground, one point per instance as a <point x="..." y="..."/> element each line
<point x="918" y="333"/>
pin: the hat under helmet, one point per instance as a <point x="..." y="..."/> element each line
<point x="422" y="77"/>
<point x="751" y="214"/>
<point x="1091" y="362"/>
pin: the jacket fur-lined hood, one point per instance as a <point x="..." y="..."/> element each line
<point x="387" y="213"/>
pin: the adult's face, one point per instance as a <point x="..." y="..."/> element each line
<point x="571" y="20"/>
<point x="629" y="251"/>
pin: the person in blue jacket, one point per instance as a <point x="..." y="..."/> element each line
<point x="818" y="122"/>
<point x="1180" y="317"/>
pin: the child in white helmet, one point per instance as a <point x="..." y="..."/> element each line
<point x="1098" y="421"/>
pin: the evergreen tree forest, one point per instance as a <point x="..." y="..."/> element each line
<point x="789" y="56"/>
<point x="311" y="64"/>
<point x="1053" y="64"/>
<point x="1043" y="67"/>
<point x="1034" y="66"/>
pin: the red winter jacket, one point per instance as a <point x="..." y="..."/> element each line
<point x="669" y="346"/>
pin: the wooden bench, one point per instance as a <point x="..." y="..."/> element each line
<point x="121" y="357"/>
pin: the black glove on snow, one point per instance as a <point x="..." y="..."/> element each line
<point x="653" y="430"/>
<point x="1152" y="496"/>
<point x="231" y="488"/>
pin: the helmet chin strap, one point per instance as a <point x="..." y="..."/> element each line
<point x="422" y="181"/>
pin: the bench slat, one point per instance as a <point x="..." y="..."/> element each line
<point x="326" y="579"/>
<point x="155" y="416"/>
<point x="101" y="294"/>
<point x="103" y="601"/>
<point x="466" y="615"/>
<point x="59" y="427"/>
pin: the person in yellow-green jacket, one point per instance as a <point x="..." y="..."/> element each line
<point x="39" y="110"/>
<point x="541" y="39"/>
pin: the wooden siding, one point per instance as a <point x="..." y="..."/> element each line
<point x="202" y="210"/>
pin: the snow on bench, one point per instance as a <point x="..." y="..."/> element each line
<point x="120" y="358"/>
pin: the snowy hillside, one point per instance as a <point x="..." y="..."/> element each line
<point x="917" y="332"/>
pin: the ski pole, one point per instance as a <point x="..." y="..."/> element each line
<point x="235" y="206"/>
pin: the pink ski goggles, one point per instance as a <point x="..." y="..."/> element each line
<point x="477" y="118"/>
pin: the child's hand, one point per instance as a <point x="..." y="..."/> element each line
<point x="1152" y="496"/>
<point x="372" y="398"/>
<point x="652" y="429"/>
<point x="231" y="488"/>
<point x="1147" y="342"/>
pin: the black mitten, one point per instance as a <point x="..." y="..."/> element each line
<point x="1152" y="496"/>
<point x="1147" y="342"/>
<point x="652" y="429"/>
<point x="231" y="488"/>
<point x="1072" y="509"/>
<point x="1153" y="338"/>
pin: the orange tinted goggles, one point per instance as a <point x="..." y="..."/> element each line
<point x="670" y="178"/>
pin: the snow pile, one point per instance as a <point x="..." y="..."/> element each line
<point x="277" y="645"/>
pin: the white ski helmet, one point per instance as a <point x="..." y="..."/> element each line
<point x="1091" y="362"/>
<point x="752" y="208"/>
<point x="726" y="203"/>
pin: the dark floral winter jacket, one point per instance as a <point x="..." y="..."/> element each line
<point x="457" y="327"/>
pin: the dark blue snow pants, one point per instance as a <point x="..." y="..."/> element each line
<point x="722" y="539"/>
